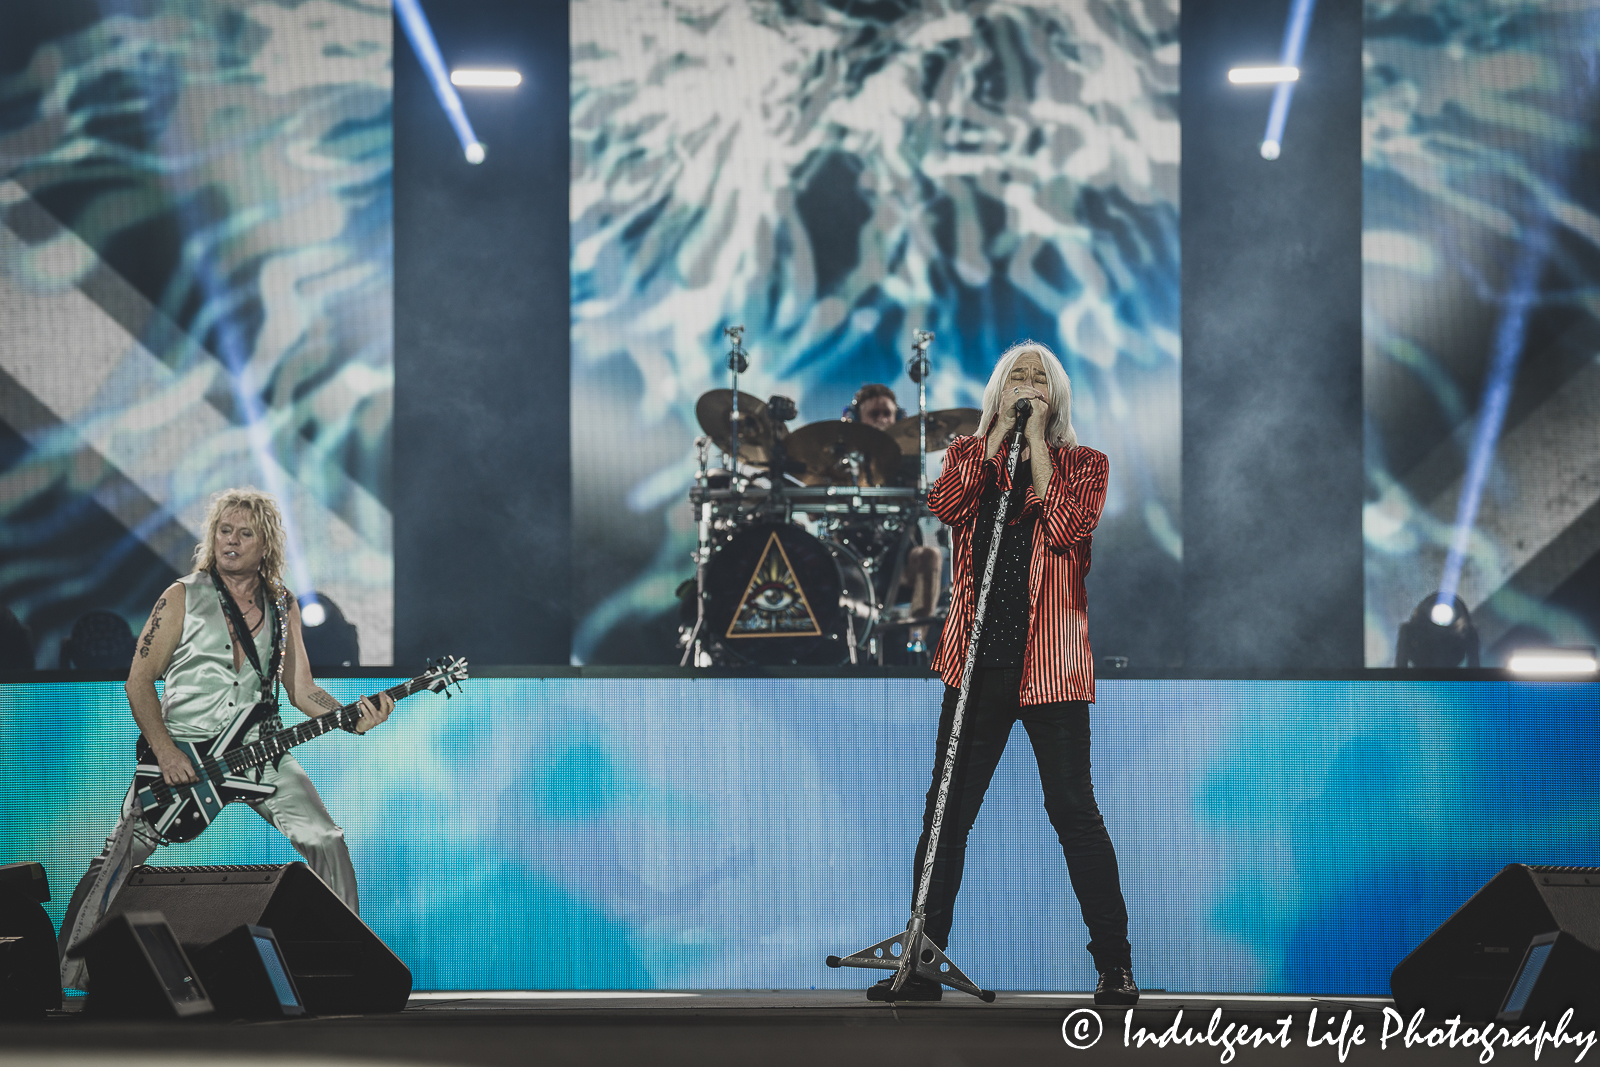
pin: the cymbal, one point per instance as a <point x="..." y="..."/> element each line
<point x="826" y="449"/>
<point x="714" y="411"/>
<point x="943" y="428"/>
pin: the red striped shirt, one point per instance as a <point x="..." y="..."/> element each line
<point x="1057" y="664"/>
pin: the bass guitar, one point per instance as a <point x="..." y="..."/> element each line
<point x="179" y="813"/>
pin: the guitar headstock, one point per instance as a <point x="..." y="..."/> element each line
<point x="444" y="672"/>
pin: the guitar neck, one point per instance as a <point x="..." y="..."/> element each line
<point x="270" y="747"/>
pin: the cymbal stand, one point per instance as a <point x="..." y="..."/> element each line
<point x="702" y="555"/>
<point x="911" y="951"/>
<point x="919" y="373"/>
<point x="738" y="364"/>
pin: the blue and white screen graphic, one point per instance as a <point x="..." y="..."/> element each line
<point x="1481" y="269"/>
<point x="834" y="176"/>
<point x="702" y="833"/>
<point x="196" y="293"/>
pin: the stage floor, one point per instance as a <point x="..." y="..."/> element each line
<point x="705" y="1027"/>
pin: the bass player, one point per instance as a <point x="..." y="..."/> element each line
<point x="221" y="637"/>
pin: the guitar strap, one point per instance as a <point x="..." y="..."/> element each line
<point x="269" y="677"/>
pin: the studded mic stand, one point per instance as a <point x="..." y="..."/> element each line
<point x="912" y="952"/>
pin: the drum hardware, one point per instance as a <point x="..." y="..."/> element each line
<point x="911" y="951"/>
<point x="757" y="431"/>
<point x="737" y="364"/>
<point x="918" y="371"/>
<point x="849" y="453"/>
<point x="702" y="554"/>
<point x="943" y="428"/>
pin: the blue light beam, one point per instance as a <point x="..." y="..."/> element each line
<point x="418" y="32"/>
<point x="1508" y="338"/>
<point x="1294" y="41"/>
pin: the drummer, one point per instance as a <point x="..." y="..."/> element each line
<point x="874" y="405"/>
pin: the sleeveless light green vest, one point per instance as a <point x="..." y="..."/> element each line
<point x="203" y="692"/>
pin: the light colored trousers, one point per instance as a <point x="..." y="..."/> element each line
<point x="295" y="809"/>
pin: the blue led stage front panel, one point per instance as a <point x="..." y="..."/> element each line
<point x="1274" y="837"/>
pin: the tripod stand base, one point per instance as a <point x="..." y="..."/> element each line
<point x="925" y="960"/>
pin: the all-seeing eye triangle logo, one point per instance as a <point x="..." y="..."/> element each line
<point x="773" y="604"/>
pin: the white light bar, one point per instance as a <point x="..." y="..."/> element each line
<point x="1261" y="75"/>
<point x="485" y="79"/>
<point x="1553" y="661"/>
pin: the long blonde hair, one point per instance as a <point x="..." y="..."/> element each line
<point x="1059" y="432"/>
<point x="268" y="523"/>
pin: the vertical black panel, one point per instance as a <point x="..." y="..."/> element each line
<point x="481" y="454"/>
<point x="1272" y="477"/>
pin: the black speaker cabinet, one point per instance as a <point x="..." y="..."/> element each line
<point x="1467" y="966"/>
<point x="30" y="969"/>
<point x="1557" y="973"/>
<point x="247" y="976"/>
<point x="339" y="966"/>
<point x="137" y="970"/>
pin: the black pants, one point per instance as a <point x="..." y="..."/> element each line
<point x="1060" y="736"/>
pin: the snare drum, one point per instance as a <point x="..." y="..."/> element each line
<point x="778" y="596"/>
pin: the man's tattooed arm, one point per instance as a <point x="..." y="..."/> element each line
<point x="323" y="699"/>
<point x="150" y="631"/>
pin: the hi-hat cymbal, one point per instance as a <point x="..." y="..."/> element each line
<point x="943" y="428"/>
<point x="828" y="448"/>
<point x="714" y="411"/>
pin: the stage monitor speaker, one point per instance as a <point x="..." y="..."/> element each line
<point x="1557" y="973"/>
<point x="137" y="970"/>
<point x="30" y="969"/>
<point x="247" y="976"/>
<point x="339" y="966"/>
<point x="1468" y="965"/>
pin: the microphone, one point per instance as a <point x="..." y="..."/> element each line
<point x="1024" y="410"/>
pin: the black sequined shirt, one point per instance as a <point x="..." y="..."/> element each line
<point x="1005" y="623"/>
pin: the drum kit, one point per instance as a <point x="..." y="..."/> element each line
<point x="803" y="534"/>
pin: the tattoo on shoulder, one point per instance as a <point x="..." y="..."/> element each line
<point x="150" y="631"/>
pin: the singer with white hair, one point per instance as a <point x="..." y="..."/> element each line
<point x="1034" y="662"/>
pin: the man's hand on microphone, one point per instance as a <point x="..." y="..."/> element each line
<point x="1038" y="419"/>
<point x="1006" y="418"/>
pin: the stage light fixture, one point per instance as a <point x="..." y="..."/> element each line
<point x="1443" y="614"/>
<point x="1263" y="75"/>
<point x="485" y="79"/>
<point x="1270" y="149"/>
<point x="1554" y="662"/>
<point x="313" y="614"/>
<point x="420" y="34"/>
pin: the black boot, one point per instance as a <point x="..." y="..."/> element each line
<point x="1116" y="987"/>
<point x="916" y="988"/>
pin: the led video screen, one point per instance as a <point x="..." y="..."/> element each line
<point x="833" y="177"/>
<point x="706" y="833"/>
<point x="196" y="293"/>
<point x="1481" y="260"/>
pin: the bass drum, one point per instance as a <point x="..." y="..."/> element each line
<point x="779" y="597"/>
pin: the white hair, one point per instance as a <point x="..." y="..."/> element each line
<point x="1059" y="433"/>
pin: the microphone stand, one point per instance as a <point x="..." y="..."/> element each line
<point x="912" y="951"/>
<point x="919" y="373"/>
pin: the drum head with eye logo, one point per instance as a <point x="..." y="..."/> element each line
<point x="775" y="597"/>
